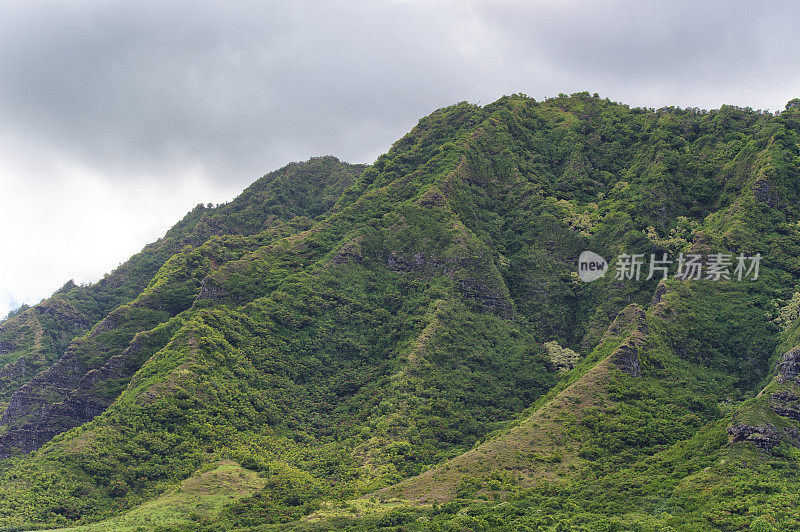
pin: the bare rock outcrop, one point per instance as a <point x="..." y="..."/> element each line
<point x="64" y="396"/>
<point x="766" y="192"/>
<point x="632" y="321"/>
<point x="466" y="271"/>
<point x="789" y="366"/>
<point x="762" y="436"/>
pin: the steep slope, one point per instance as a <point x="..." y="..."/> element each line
<point x="31" y="338"/>
<point x="291" y="373"/>
<point x="93" y="369"/>
<point x="620" y="448"/>
<point x="404" y="328"/>
<point x="325" y="341"/>
<point x="544" y="445"/>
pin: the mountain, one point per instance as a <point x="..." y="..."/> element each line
<point x="143" y="293"/>
<point x="409" y="344"/>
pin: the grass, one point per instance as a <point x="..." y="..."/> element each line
<point x="199" y="498"/>
<point x="540" y="447"/>
<point x="358" y="508"/>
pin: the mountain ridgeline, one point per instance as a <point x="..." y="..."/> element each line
<point x="408" y="345"/>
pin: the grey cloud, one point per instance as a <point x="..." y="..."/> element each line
<point x="238" y="88"/>
<point x="145" y="87"/>
<point x="691" y="51"/>
<point x="197" y="99"/>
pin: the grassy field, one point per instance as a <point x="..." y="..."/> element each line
<point x="198" y="498"/>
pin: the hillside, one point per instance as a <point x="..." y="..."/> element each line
<point x="146" y="291"/>
<point x="409" y="343"/>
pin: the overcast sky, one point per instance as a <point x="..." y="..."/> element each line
<point x="117" y="117"/>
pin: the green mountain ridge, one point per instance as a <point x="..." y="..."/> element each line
<point x="367" y="343"/>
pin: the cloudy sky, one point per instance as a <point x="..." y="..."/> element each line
<point x="117" y="117"/>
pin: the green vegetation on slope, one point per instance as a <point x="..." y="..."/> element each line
<point x="349" y="332"/>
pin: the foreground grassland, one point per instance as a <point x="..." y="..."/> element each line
<point x="200" y="497"/>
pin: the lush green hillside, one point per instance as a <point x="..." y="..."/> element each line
<point x="55" y="377"/>
<point x="409" y="344"/>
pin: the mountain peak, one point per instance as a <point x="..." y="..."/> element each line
<point x="346" y="332"/>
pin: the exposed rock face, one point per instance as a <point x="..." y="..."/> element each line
<point x="464" y="270"/>
<point x="28" y="406"/>
<point x="633" y="321"/>
<point x="48" y="385"/>
<point x="765" y="192"/>
<point x="661" y="291"/>
<point x="763" y="436"/>
<point x="628" y="320"/>
<point x="210" y="289"/>
<point x="14" y="370"/>
<point x="33" y="342"/>
<point x="63" y="397"/>
<point x="626" y="357"/>
<point x="784" y="396"/>
<point x="487" y="296"/>
<point x="784" y="403"/>
<point x="789" y="365"/>
<point x="398" y="261"/>
<point x="782" y="409"/>
<point x="24" y="441"/>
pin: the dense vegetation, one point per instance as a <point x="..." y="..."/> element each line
<point x="365" y="346"/>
